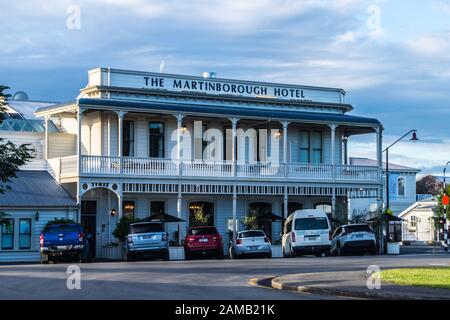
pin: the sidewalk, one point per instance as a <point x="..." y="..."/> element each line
<point x="353" y="284"/>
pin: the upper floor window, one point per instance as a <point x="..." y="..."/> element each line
<point x="8" y="234"/>
<point x="128" y="138"/>
<point x="157" y="207"/>
<point x="156" y="139"/>
<point x="401" y="187"/>
<point x="310" y="147"/>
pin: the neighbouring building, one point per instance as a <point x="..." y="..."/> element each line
<point x="402" y="189"/>
<point x="141" y="143"/>
<point x="419" y="222"/>
<point x="35" y="198"/>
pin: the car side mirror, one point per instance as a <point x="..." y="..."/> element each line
<point x="183" y="242"/>
<point x="89" y="236"/>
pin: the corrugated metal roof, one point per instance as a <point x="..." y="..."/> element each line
<point x="231" y="111"/>
<point x="226" y="111"/>
<point x="35" y="189"/>
<point x="371" y="162"/>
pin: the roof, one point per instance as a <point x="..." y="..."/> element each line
<point x="371" y="162"/>
<point x="428" y="204"/>
<point x="27" y="108"/>
<point x="35" y="189"/>
<point x="225" y="111"/>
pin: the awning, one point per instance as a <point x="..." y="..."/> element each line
<point x="270" y="216"/>
<point x="387" y="217"/>
<point x="227" y="111"/>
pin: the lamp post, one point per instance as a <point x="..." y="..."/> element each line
<point x="413" y="138"/>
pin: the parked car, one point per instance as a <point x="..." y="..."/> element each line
<point x="203" y="241"/>
<point x="251" y="243"/>
<point x="354" y="238"/>
<point x="63" y="242"/>
<point x="147" y="239"/>
<point x="306" y="232"/>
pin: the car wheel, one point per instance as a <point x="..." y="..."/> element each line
<point x="220" y="255"/>
<point x="166" y="256"/>
<point x="319" y="255"/>
<point x="373" y="252"/>
<point x="269" y="256"/>
<point x="187" y="255"/>
<point x="129" y="257"/>
<point x="338" y="249"/>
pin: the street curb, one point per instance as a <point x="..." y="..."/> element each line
<point x="278" y="284"/>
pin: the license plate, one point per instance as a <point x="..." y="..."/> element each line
<point x="357" y="236"/>
<point x="252" y="248"/>
<point x="312" y="238"/>
<point x="152" y="237"/>
<point x="203" y="240"/>
<point x="62" y="247"/>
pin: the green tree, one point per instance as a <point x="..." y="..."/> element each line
<point x="12" y="157"/>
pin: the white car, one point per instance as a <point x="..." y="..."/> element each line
<point x="306" y="232"/>
<point x="354" y="238"/>
<point x="251" y="243"/>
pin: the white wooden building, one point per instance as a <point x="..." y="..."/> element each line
<point x="419" y="223"/>
<point x="402" y="189"/>
<point x="151" y="142"/>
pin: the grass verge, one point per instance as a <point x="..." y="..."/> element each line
<point x="431" y="277"/>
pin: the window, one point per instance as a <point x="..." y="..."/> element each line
<point x="413" y="222"/>
<point x="203" y="231"/>
<point x="304" y="147"/>
<point x="128" y="208"/>
<point x="324" y="206"/>
<point x="204" y="142"/>
<point x="157" y="207"/>
<point x="292" y="207"/>
<point x="146" y="227"/>
<point x="8" y="234"/>
<point x="25" y="234"/>
<point x="252" y="234"/>
<point x="201" y="214"/>
<point x="156" y="139"/>
<point x="128" y="138"/>
<point x="401" y="187"/>
<point x="310" y="147"/>
<point x="311" y="224"/>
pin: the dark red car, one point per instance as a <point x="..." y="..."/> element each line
<point x="203" y="241"/>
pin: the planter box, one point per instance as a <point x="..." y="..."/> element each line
<point x="393" y="248"/>
<point x="176" y="253"/>
<point x="277" y="251"/>
<point x="111" y="252"/>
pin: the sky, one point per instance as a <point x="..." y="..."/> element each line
<point x="391" y="56"/>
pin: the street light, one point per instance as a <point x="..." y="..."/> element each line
<point x="445" y="168"/>
<point x="413" y="138"/>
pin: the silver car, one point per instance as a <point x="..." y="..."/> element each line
<point x="251" y="243"/>
<point x="147" y="239"/>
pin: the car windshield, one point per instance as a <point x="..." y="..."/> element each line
<point x="251" y="234"/>
<point x="202" y="231"/>
<point x="311" y="223"/>
<point x="147" y="227"/>
<point x="358" y="228"/>
<point x="63" y="228"/>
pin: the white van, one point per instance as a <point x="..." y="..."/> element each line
<point x="306" y="232"/>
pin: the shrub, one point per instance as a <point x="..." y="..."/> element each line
<point x="121" y="230"/>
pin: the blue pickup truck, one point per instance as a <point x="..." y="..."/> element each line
<point x="63" y="242"/>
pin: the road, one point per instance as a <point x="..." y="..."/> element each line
<point x="199" y="279"/>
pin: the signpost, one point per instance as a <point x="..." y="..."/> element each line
<point x="445" y="202"/>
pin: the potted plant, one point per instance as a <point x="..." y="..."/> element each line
<point x="250" y="222"/>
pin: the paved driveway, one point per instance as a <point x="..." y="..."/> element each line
<point x="200" y="279"/>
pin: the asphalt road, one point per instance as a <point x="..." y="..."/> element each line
<point x="199" y="279"/>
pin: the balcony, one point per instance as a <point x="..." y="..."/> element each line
<point x="150" y="167"/>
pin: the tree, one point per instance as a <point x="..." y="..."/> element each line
<point x="12" y="157"/>
<point x="429" y="185"/>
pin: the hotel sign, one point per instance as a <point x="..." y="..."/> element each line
<point x="212" y="86"/>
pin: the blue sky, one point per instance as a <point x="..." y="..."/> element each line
<point x="391" y="56"/>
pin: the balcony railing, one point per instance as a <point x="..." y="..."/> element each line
<point x="103" y="165"/>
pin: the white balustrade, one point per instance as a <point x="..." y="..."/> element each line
<point x="200" y="168"/>
<point x="220" y="169"/>
<point x="298" y="171"/>
<point x="149" y="166"/>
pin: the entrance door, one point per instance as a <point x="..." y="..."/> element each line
<point x="263" y="212"/>
<point x="89" y="223"/>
